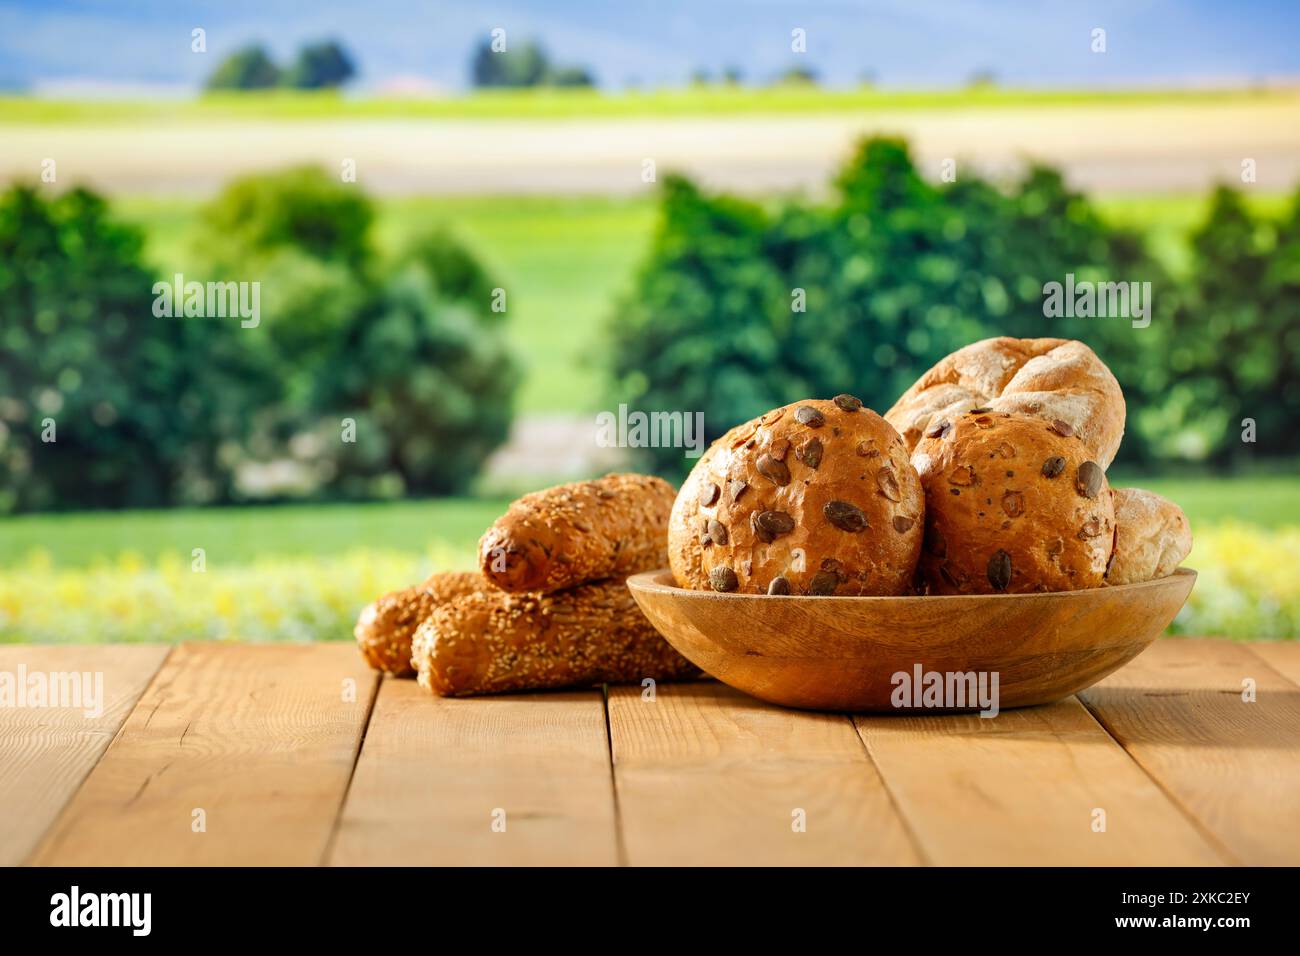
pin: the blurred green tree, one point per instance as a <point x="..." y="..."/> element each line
<point x="102" y="401"/>
<point x="302" y="208"/>
<point x="571" y="76"/>
<point x="1234" y="349"/>
<point x="739" y="309"/>
<point x="319" y="66"/>
<point x="525" y="65"/>
<point x="248" y="68"/>
<point x="408" y="349"/>
<point x="522" y="66"/>
<point x="456" y="272"/>
<point x="708" y="323"/>
<point x="428" y="384"/>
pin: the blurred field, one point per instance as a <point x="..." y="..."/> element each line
<point x="541" y="103"/>
<point x="754" y="141"/>
<point x="230" y="536"/>
<point x="1265" y="502"/>
<point x="301" y="573"/>
<point x="451" y="526"/>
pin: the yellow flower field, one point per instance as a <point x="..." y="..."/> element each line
<point x="1248" y="588"/>
<point x="1248" y="585"/>
<point x="275" y="599"/>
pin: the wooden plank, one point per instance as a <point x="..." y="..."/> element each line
<point x="1024" y="787"/>
<point x="1282" y="656"/>
<point x="46" y="751"/>
<point x="1233" y="765"/>
<point x="260" y="738"/>
<point x="706" y="775"/>
<point x="435" y="775"/>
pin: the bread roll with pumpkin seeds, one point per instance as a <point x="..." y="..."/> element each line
<point x="1013" y="504"/>
<point x="584" y="531"/>
<point x="492" y="642"/>
<point x="1152" y="539"/>
<point x="1057" y="380"/>
<point x="817" y="497"/>
<point x="686" y="523"/>
<point x="385" y="628"/>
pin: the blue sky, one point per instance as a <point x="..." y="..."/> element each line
<point x="904" y="43"/>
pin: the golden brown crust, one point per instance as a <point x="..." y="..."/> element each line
<point x="818" y="493"/>
<point x="585" y="531"/>
<point x="1153" y="537"/>
<point x="1051" y="379"/>
<point x="685" y="548"/>
<point x="385" y="627"/>
<point x="1012" y="505"/>
<point x="493" y="642"/>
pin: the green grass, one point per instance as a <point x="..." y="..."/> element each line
<point x="1266" y="502"/>
<point x="562" y="262"/>
<point x="241" y="535"/>
<point x="562" y="104"/>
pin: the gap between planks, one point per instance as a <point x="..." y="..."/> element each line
<point x="699" y="780"/>
<point x="1037" y="786"/>
<point x="708" y="776"/>
<point x="1230" y="764"/>
<point x="587" y="777"/>
<point x="519" y="779"/>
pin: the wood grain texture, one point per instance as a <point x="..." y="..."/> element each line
<point x="434" y="770"/>
<point x="1233" y="765"/>
<point x="258" y="737"/>
<point x="1282" y="656"/>
<point x="839" y="654"/>
<point x="1022" y="789"/>
<point x="706" y="775"/>
<point x="46" y="752"/>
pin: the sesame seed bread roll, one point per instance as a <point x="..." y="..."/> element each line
<point x="1056" y="380"/>
<point x="585" y="531"/>
<point x="493" y="642"/>
<point x="385" y="627"/>
<point x="1152" y="537"/>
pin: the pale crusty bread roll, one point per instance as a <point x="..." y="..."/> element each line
<point x="1012" y="505"/>
<point x="1052" y="379"/>
<point x="1153" y="537"/>
<point x="816" y="497"/>
<point x="385" y="627"/>
<point x="492" y="641"/>
<point x="575" y="533"/>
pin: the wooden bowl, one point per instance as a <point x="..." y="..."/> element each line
<point x="841" y="653"/>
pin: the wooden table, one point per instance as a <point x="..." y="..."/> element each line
<point x="287" y="754"/>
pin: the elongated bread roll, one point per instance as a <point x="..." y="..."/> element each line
<point x="585" y="531"/>
<point x="1152" y="537"/>
<point x="385" y="627"/>
<point x="491" y="642"/>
